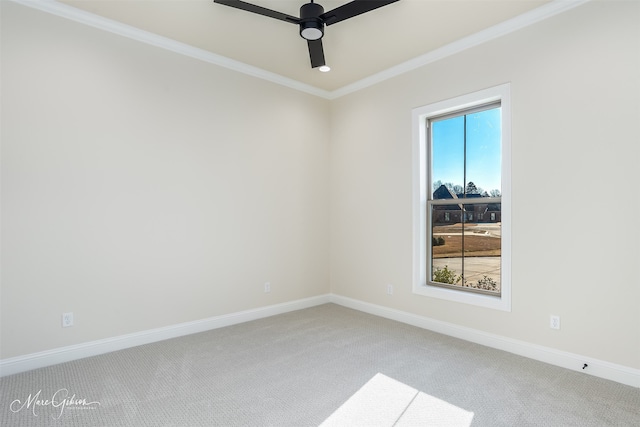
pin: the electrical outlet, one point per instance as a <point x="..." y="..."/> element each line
<point x="554" y="322"/>
<point x="267" y="287"/>
<point x="67" y="320"/>
<point x="389" y="289"/>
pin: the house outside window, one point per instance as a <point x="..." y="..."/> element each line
<point x="462" y="156"/>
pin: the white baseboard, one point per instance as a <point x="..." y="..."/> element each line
<point x="574" y="362"/>
<point x="28" y="362"/>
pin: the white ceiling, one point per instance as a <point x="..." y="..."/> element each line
<point x="356" y="49"/>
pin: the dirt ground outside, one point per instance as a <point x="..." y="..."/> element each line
<point x="479" y="240"/>
<point x="482" y="250"/>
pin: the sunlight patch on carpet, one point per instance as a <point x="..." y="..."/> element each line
<point x="383" y="401"/>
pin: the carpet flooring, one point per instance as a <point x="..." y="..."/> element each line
<point x="300" y="369"/>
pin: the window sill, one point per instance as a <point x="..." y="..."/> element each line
<point x="502" y="303"/>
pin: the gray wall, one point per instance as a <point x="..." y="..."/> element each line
<point x="141" y="188"/>
<point x="575" y="97"/>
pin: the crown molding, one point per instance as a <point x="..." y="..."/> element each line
<point x="546" y="11"/>
<point x="521" y="21"/>
<point x="65" y="11"/>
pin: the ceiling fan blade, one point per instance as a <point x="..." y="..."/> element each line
<point x="316" y="53"/>
<point x="259" y="10"/>
<point x="352" y="9"/>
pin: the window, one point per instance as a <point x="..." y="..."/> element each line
<point x="461" y="172"/>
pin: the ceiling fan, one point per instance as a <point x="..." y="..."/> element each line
<point x="312" y="20"/>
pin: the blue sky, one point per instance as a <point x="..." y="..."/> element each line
<point x="482" y="151"/>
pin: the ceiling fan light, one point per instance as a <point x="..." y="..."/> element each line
<point x="311" y="30"/>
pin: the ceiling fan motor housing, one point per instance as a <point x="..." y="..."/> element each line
<point x="312" y="20"/>
<point x="311" y="26"/>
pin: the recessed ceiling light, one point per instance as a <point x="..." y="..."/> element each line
<point x="324" y="68"/>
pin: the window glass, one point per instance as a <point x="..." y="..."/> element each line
<point x="465" y="165"/>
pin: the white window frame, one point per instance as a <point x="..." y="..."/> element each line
<point x="420" y="116"/>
